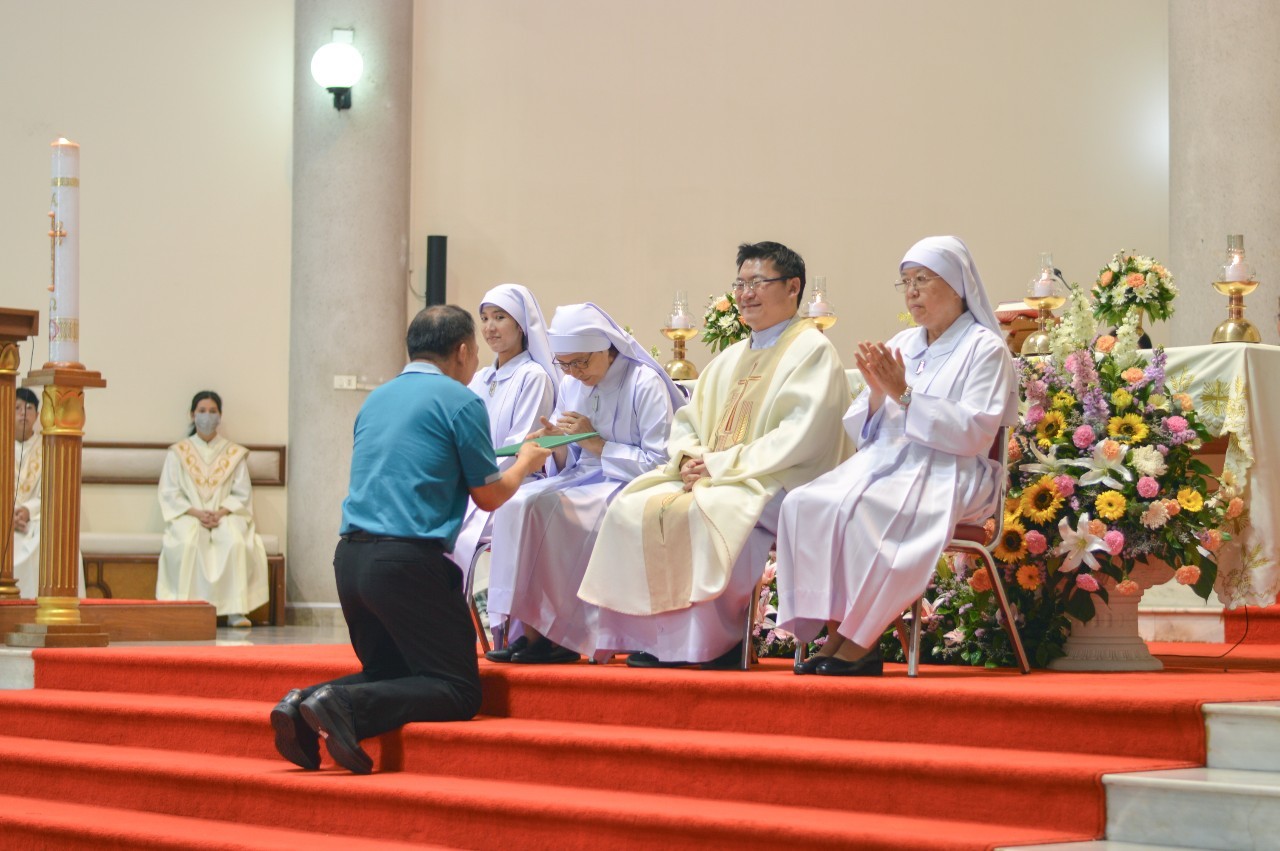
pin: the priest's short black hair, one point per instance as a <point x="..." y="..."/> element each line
<point x="787" y="262"/>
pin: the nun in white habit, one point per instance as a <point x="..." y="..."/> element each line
<point x="858" y="545"/>
<point x="543" y="537"/>
<point x="518" y="389"/>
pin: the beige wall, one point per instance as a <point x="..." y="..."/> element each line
<point x="183" y="111"/>
<point x="618" y="151"/>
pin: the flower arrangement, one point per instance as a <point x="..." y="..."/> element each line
<point x="1132" y="280"/>
<point x="722" y="326"/>
<point x="1102" y="472"/>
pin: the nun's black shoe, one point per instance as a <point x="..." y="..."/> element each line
<point x="726" y="661"/>
<point x="505" y="654"/>
<point x="648" y="660"/>
<point x="871" y="665"/>
<point x="810" y="665"/>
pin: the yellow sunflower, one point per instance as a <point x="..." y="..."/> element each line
<point x="1013" y="541"/>
<point x="1041" y="501"/>
<point x="1129" y="428"/>
<point x="1110" y="505"/>
<point x="1190" y="499"/>
<point x="1029" y="577"/>
<point x="1063" y="400"/>
<point x="1050" y="428"/>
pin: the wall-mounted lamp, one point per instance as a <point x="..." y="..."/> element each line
<point x="337" y="66"/>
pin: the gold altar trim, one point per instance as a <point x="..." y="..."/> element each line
<point x="65" y="181"/>
<point x="67" y="329"/>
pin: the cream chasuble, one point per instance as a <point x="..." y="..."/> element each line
<point x="762" y="420"/>
<point x="28" y="460"/>
<point x="226" y="565"/>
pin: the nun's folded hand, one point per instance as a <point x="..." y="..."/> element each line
<point x="571" y="422"/>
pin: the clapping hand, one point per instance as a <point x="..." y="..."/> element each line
<point x="883" y="369"/>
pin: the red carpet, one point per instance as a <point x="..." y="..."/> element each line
<point x="170" y="747"/>
<point x="1254" y="624"/>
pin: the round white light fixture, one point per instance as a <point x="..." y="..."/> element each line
<point x="337" y="66"/>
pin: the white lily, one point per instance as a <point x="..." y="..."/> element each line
<point x="1078" y="545"/>
<point x="1103" y="469"/>
<point x="1046" y="463"/>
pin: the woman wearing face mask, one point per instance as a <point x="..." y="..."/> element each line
<point x="211" y="551"/>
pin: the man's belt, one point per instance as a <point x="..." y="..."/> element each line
<point x="359" y="536"/>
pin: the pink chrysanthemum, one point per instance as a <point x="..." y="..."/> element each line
<point x="1035" y="414"/>
<point x="1065" y="485"/>
<point x="1148" y="487"/>
<point x="1175" y="424"/>
<point x="1083" y="437"/>
<point x="1036" y="542"/>
<point x="1114" y="541"/>
<point x="1086" y="582"/>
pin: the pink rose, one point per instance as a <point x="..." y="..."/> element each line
<point x="1065" y="485"/>
<point x="1235" y="508"/>
<point x="1128" y="588"/>
<point x="1086" y="582"/>
<point x="1188" y="574"/>
<point x="1083" y="437"/>
<point x="1148" y="487"/>
<point x="1105" y="343"/>
<point x="1175" y="424"/>
<point x="1114" y="541"/>
<point x="1035" y="414"/>
<point x="1036" y="543"/>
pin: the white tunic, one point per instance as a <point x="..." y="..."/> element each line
<point x="543" y="537"/>
<point x="859" y="544"/>
<point x="227" y="565"/>
<point x="517" y="395"/>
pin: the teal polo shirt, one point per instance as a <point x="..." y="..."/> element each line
<point x="421" y="442"/>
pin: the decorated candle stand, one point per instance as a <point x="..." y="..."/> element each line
<point x="64" y="379"/>
<point x="680" y="329"/>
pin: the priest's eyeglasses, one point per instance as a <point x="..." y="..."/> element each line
<point x="751" y="286"/>
<point x="916" y="282"/>
<point x="574" y="365"/>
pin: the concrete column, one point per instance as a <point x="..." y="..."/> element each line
<point x="1224" y="175"/>
<point x="350" y="264"/>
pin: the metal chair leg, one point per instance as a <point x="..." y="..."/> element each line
<point x="468" y="589"/>
<point x="748" y="645"/>
<point x="913" y="656"/>
<point x="1009" y="624"/>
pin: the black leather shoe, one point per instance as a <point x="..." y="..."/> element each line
<point x="505" y="654"/>
<point x="544" y="652"/>
<point x="810" y="665"/>
<point x="726" y="661"/>
<point x="871" y="665"/>
<point x="328" y="711"/>
<point x="648" y="660"/>
<point x="295" y="741"/>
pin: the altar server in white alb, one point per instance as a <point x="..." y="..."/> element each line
<point x="211" y="551"/>
<point x="543" y="537"/>
<point x="857" y="546"/>
<point x="518" y="390"/>
<point x="682" y="547"/>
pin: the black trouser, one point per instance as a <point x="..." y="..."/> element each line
<point x="412" y="632"/>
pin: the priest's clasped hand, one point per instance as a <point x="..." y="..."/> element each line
<point x="884" y="371"/>
<point x="21" y="517"/>
<point x="692" y="470"/>
<point x="208" y="519"/>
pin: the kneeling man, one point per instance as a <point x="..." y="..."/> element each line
<point x="682" y="547"/>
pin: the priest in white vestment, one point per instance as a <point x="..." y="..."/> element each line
<point x="544" y="536"/>
<point x="211" y="550"/>
<point x="518" y="390"/>
<point x="857" y="546"/>
<point x="682" y="547"/>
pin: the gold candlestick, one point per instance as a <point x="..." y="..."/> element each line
<point x="678" y="367"/>
<point x="1037" y="342"/>
<point x="1236" y="281"/>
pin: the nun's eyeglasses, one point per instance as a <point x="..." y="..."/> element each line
<point x="917" y="283"/>
<point x="574" y="365"/>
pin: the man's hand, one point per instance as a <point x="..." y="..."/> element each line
<point x="21" y="517"/>
<point x="533" y="455"/>
<point x="692" y="470"/>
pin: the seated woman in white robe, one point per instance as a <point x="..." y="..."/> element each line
<point x="518" y="389"/>
<point x="211" y="551"/>
<point x="542" y="538"/>
<point x="858" y="545"/>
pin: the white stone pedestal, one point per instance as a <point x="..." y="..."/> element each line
<point x="1110" y="642"/>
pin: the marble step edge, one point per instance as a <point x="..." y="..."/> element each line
<point x="1206" y="781"/>
<point x="1092" y="845"/>
<point x="1268" y="709"/>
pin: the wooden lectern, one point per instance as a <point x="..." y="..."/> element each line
<point x="15" y="327"/>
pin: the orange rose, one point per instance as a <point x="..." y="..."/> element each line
<point x="1235" y="508"/>
<point x="1135" y="280"/>
<point x="1106" y="277"/>
<point x="1097" y="527"/>
<point x="1171" y="506"/>
<point x="1105" y="343"/>
<point x="1133" y="374"/>
<point x="723" y="305"/>
<point x="980" y="581"/>
<point x="1184" y="400"/>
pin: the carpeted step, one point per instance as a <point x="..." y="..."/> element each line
<point x="988" y="708"/>
<point x="463" y="812"/>
<point x="962" y="782"/>
<point x="33" y="823"/>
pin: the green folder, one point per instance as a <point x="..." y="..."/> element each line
<point x="551" y="441"/>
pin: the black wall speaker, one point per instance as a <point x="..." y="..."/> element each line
<point x="437" y="263"/>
